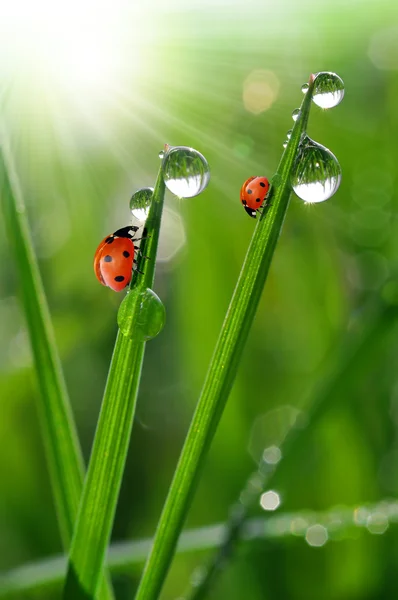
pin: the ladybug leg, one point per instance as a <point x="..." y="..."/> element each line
<point x="135" y="269"/>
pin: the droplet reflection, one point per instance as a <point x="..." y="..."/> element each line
<point x="186" y="172"/>
<point x="140" y="203"/>
<point x="141" y="315"/>
<point x="328" y="89"/>
<point x="295" y="114"/>
<point x="316" y="173"/>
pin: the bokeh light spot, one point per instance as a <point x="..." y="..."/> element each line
<point x="383" y="49"/>
<point x="260" y="90"/>
<point x="270" y="500"/>
<point x="317" y="535"/>
<point x="272" y="455"/>
<point x="377" y="523"/>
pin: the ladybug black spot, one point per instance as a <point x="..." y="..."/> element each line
<point x="249" y="191"/>
<point x="262" y="183"/>
<point x="119" y="278"/>
<point x="126" y="254"/>
<point x="108" y="258"/>
<point x="258" y="199"/>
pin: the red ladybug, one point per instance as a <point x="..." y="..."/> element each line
<point x="114" y="259"/>
<point x="253" y="193"/>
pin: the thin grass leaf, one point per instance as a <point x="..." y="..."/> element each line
<point x="139" y="310"/>
<point x="223" y="366"/>
<point x="47" y="576"/>
<point x="50" y="573"/>
<point x="63" y="453"/>
<point x="365" y="346"/>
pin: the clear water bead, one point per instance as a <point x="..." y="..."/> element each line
<point x="186" y="172"/>
<point x="316" y="173"/>
<point x="140" y="203"/>
<point x="328" y="89"/>
<point x="304" y="88"/>
<point x="161" y="154"/>
<point x="285" y="144"/>
<point x="141" y="315"/>
<point x="295" y="114"/>
<point x="289" y="134"/>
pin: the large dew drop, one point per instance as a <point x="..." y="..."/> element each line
<point x="140" y="203"/>
<point x="316" y="173"/>
<point x="328" y="89"/>
<point x="186" y="172"/>
<point x="141" y="315"/>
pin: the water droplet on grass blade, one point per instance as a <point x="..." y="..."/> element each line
<point x="328" y="89"/>
<point x="304" y="88"/>
<point x="295" y="114"/>
<point x="186" y="172"/>
<point x="140" y="203"/>
<point x="285" y="144"/>
<point x="316" y="173"/>
<point x="141" y="315"/>
<point x="161" y="154"/>
<point x="289" y="134"/>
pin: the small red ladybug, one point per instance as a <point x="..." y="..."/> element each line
<point x="114" y="259"/>
<point x="253" y="193"/>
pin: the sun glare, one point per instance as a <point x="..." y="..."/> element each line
<point x="73" y="51"/>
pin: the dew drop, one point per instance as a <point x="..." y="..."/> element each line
<point x="161" y="154"/>
<point x="289" y="134"/>
<point x="328" y="89"/>
<point x="186" y="172"/>
<point x="316" y="173"/>
<point x="295" y="114"/>
<point x="141" y="315"/>
<point x="284" y="144"/>
<point x="140" y="203"/>
<point x="304" y="88"/>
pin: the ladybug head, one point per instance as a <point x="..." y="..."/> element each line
<point x="250" y="211"/>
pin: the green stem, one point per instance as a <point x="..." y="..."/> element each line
<point x="366" y="346"/>
<point x="223" y="367"/>
<point x="63" y="453"/>
<point x="104" y="476"/>
<point x="30" y="579"/>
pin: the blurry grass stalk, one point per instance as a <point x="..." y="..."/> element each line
<point x="364" y="348"/>
<point x="223" y="366"/>
<point x="60" y="439"/>
<point x="47" y="576"/>
<point x="105" y="471"/>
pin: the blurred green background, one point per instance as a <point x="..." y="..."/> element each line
<point x="91" y="92"/>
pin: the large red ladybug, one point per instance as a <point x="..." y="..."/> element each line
<point x="253" y="193"/>
<point x="114" y="259"/>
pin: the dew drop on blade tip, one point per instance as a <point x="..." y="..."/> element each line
<point x="186" y="172"/>
<point x="328" y="89"/>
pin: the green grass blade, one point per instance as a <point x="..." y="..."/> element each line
<point x="30" y="579"/>
<point x="223" y="366"/>
<point x="366" y="346"/>
<point x="50" y="573"/>
<point x="105" y="471"/>
<point x="62" y="446"/>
